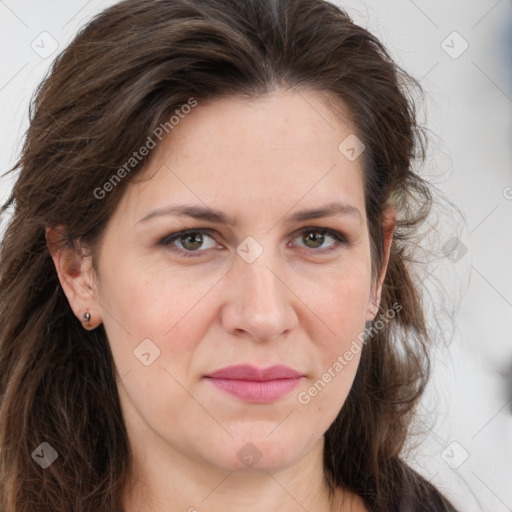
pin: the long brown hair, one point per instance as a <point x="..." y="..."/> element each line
<point x="121" y="78"/>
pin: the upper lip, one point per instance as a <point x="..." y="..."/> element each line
<point x="249" y="372"/>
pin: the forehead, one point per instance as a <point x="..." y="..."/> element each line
<point x="282" y="122"/>
<point x="253" y="156"/>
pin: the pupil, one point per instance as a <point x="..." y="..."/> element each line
<point x="315" y="238"/>
<point x="191" y="237"/>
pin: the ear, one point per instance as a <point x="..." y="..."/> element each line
<point x="389" y="221"/>
<point x="76" y="276"/>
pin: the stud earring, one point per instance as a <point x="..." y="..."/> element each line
<point x="87" y="317"/>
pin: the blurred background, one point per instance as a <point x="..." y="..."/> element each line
<point x="461" y="53"/>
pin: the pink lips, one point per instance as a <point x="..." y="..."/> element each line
<point x="255" y="385"/>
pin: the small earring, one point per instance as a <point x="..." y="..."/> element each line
<point x="87" y="317"/>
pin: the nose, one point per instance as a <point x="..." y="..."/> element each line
<point x="260" y="300"/>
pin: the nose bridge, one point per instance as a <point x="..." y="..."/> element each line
<point x="263" y="286"/>
<point x="261" y="303"/>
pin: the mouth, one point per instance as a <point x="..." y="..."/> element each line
<point x="255" y="385"/>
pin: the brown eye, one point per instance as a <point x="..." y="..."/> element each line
<point x="192" y="241"/>
<point x="314" y="238"/>
<point x="188" y="242"/>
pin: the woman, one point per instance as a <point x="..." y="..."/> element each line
<point x="205" y="299"/>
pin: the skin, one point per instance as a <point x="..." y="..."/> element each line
<point x="298" y="303"/>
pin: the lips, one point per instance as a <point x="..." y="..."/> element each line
<point x="255" y="385"/>
<point x="248" y="372"/>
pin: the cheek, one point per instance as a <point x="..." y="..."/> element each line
<point x="342" y="306"/>
<point x="339" y="352"/>
<point x="343" y="302"/>
<point x="169" y="308"/>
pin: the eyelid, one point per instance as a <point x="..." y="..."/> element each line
<point x="340" y="239"/>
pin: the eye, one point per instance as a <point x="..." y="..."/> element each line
<point x="315" y="237"/>
<point x="191" y="242"/>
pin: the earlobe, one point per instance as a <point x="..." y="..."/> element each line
<point x="76" y="277"/>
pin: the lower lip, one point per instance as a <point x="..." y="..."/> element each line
<point x="256" y="391"/>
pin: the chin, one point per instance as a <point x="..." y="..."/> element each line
<point x="260" y="452"/>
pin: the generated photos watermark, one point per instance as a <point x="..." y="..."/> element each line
<point x="145" y="149"/>
<point x="304" y="397"/>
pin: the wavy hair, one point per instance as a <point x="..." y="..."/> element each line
<point x="122" y="76"/>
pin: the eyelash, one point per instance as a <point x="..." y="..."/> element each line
<point x="167" y="240"/>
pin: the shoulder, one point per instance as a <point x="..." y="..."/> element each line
<point x="413" y="494"/>
<point x="420" y="495"/>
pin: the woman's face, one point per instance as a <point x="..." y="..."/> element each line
<point x="270" y="289"/>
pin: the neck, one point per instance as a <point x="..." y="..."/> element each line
<point x="163" y="483"/>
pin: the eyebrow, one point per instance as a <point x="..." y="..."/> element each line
<point x="216" y="216"/>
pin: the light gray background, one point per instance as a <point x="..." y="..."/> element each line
<point x="467" y="448"/>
